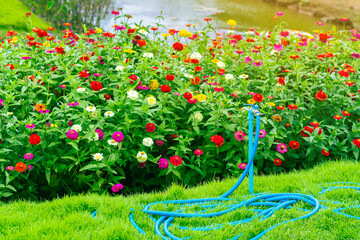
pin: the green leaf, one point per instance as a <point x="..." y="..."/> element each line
<point x="74" y="145"/>
<point x="87" y="167"/>
<point x="47" y="174"/>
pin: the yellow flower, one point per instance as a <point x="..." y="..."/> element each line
<point x="271" y="104"/>
<point x="46" y="44"/>
<point x="151" y="101"/>
<point x="98" y="30"/>
<point x="215" y="60"/>
<point x="165" y="35"/>
<point x="231" y="22"/>
<point x="200" y="97"/>
<point x="154" y="84"/>
<point x="129" y="50"/>
<point x="184" y="33"/>
<point x="251" y="101"/>
<point x="14" y="39"/>
<point x="52" y="125"/>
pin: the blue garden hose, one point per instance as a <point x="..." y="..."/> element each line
<point x="271" y="202"/>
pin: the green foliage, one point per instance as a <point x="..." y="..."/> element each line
<point x="127" y="64"/>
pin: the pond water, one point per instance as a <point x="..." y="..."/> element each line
<point x="247" y="13"/>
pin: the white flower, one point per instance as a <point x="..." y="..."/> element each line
<point x="220" y="64"/>
<point x="80" y="89"/>
<point x="188" y="75"/>
<point x="198" y="116"/>
<point x="76" y="127"/>
<point x="230" y="31"/>
<point x="109" y="114"/>
<point x="91" y="109"/>
<point x="148" y="55"/>
<point x="141" y="157"/>
<point x="10" y="113"/>
<point x="112" y="142"/>
<point x="151" y="101"/>
<point x="94" y="114"/>
<point x="98" y="156"/>
<point x="143" y="31"/>
<point x="229" y="76"/>
<point x="196" y="55"/>
<point x="119" y="68"/>
<point x="243" y="76"/>
<point x="133" y="94"/>
<point x="148" y="142"/>
<point x="95" y="138"/>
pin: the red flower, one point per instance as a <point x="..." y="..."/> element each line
<point x="10" y="65"/>
<point x="176" y="160"/>
<point x="281" y="81"/>
<point x="150" y="127"/>
<point x="83" y="74"/>
<point x="41" y="33"/>
<point x="59" y="50"/>
<point x="323" y="37"/>
<point x="287" y="125"/>
<point x="357" y="142"/>
<point x="258" y="97"/>
<point x="53" y="69"/>
<point x="280" y="107"/>
<point x="96" y="86"/>
<point x="292" y="107"/>
<point x="165" y="88"/>
<point x="320" y="95"/>
<point x="277" y="162"/>
<point x="141" y="43"/>
<point x="338" y="117"/>
<point x="107" y="96"/>
<point x="178" y="46"/>
<point x="85" y="58"/>
<point x="345" y="113"/>
<point x="294" y="144"/>
<point x="294" y="56"/>
<point x="217" y="139"/>
<point x="130" y="31"/>
<point x="187" y="95"/>
<point x="325" y="152"/>
<point x="344" y="73"/>
<point x="170" y="77"/>
<point x="198" y="69"/>
<point x="133" y="78"/>
<point x="34" y="139"/>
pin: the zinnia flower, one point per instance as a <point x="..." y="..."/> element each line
<point x="20" y="167"/>
<point x="240" y="136"/>
<point x="117" y="187"/>
<point x="31" y="125"/>
<point x="118" y="136"/>
<point x="141" y="157"/>
<point x="242" y="165"/>
<point x="217" y="139"/>
<point x="198" y="152"/>
<point x="320" y="95"/>
<point x="176" y="160"/>
<point x="262" y="133"/>
<point x="72" y="134"/>
<point x="98" y="156"/>
<point x="148" y="142"/>
<point x="277" y="162"/>
<point x="159" y="142"/>
<point x="294" y="144"/>
<point x="34" y="139"/>
<point x="28" y="156"/>
<point x="325" y="152"/>
<point x="281" y="148"/>
<point x="163" y="163"/>
<point x="150" y="127"/>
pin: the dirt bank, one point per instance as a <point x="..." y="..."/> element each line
<point x="330" y="11"/>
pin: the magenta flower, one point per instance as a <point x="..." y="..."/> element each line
<point x="353" y="55"/>
<point x="257" y="63"/>
<point x="198" y="152"/>
<point x="100" y="133"/>
<point x="50" y="51"/>
<point x="30" y="125"/>
<point x="142" y="87"/>
<point x="120" y="28"/>
<point x="247" y="59"/>
<point x="320" y="23"/>
<point x="97" y="74"/>
<point x="117" y="48"/>
<point x="28" y="156"/>
<point x="159" y="142"/>
<point x="279" y="13"/>
<point x="72" y="134"/>
<point x="26" y="57"/>
<point x="219" y="89"/>
<point x="10" y="168"/>
<point x="262" y="133"/>
<point x="278" y="47"/>
<point x="242" y="165"/>
<point x="234" y="95"/>
<point x="70" y="123"/>
<point x="29" y="167"/>
<point x="117" y="187"/>
<point x="239" y="52"/>
<point x="281" y="148"/>
<point x="118" y="136"/>
<point x="163" y="163"/>
<point x="73" y="104"/>
<point x="44" y="111"/>
<point x="240" y="136"/>
<point x="177" y="94"/>
<point x="62" y="86"/>
<point x="1" y="102"/>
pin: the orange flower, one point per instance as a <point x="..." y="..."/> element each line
<point x="39" y="107"/>
<point x="172" y="31"/>
<point x="20" y="167"/>
<point x="198" y="69"/>
<point x="195" y="81"/>
<point x="277" y="118"/>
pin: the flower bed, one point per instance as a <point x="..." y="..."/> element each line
<point x="136" y="109"/>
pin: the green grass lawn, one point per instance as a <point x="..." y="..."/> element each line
<point x="70" y="217"/>
<point x="12" y="17"/>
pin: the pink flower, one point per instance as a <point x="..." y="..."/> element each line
<point x="72" y="134"/>
<point x="219" y="89"/>
<point x="262" y="133"/>
<point x="192" y="100"/>
<point x="118" y="136"/>
<point x="62" y="86"/>
<point x="177" y="94"/>
<point x="320" y="23"/>
<point x="344" y="19"/>
<point x="240" y="136"/>
<point x="159" y="142"/>
<point x="163" y="163"/>
<point x="257" y="63"/>
<point x="73" y="104"/>
<point x="247" y="59"/>
<point x="355" y="55"/>
<point x="10" y="168"/>
<point x="281" y="148"/>
<point x="97" y="74"/>
<point x="242" y="165"/>
<point x="198" y="152"/>
<point x="117" y="187"/>
<point x="30" y="125"/>
<point x="234" y="95"/>
<point x="100" y="133"/>
<point x="279" y="13"/>
<point x="278" y="47"/>
<point x="28" y="156"/>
